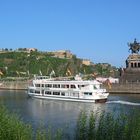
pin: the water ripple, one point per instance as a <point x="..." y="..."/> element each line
<point x="123" y="102"/>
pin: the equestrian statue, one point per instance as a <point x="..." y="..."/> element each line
<point x="134" y="47"/>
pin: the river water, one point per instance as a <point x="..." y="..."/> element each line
<point x="62" y="114"/>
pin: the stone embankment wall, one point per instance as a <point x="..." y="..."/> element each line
<point x="129" y="88"/>
<point x="14" y="85"/>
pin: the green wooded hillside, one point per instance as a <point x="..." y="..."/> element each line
<point x="26" y="64"/>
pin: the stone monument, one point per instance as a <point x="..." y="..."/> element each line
<point x="131" y="73"/>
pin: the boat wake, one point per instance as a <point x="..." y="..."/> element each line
<point x="123" y="102"/>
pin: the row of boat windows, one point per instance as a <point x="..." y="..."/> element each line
<point x="59" y="93"/>
<point x="57" y="86"/>
<point x="87" y="93"/>
<point x="55" y="93"/>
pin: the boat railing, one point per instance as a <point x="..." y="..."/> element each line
<point x="41" y="77"/>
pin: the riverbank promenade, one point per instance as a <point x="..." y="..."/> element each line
<point x="126" y="88"/>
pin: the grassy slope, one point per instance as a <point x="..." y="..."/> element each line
<point x="18" y="63"/>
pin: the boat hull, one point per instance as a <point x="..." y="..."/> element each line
<point x="69" y="99"/>
<point x="101" y="100"/>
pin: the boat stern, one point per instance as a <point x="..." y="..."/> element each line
<point x="102" y="98"/>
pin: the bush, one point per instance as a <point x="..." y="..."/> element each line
<point x="108" y="126"/>
<point x="12" y="128"/>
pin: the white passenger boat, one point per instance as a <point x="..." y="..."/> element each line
<point x="69" y="90"/>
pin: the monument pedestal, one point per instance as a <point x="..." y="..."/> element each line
<point x="131" y="73"/>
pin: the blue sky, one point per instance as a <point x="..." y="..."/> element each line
<point x="98" y="30"/>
